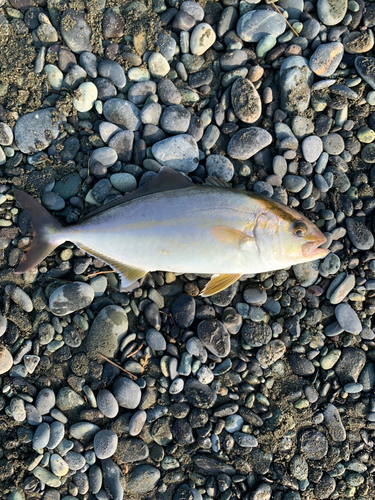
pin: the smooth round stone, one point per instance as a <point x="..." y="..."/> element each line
<point x="105" y="444"/>
<point x="328" y="361"/>
<point x="113" y="25"/>
<point x="75" y="76"/>
<point x="325" y="487"/>
<point x="220" y="166"/>
<point x="368" y="153"/>
<point x="270" y="353"/>
<point x="205" y="375"/>
<point x="122" y="144"/>
<point x="138" y="74"/>
<point x="359" y="235"/>
<point x="199" y="395"/>
<point x="333" y="421"/>
<point x="348" y="319"/>
<point x="75" y="460"/>
<point x="353" y="388"/>
<point x="180" y="153"/>
<point x="19" y="297"/>
<point x="113" y="71"/>
<point x="214" y="336"/>
<point x="301" y="365"/>
<point x="107" y="131"/>
<point x="142" y="479"/>
<point x="67" y="399"/>
<point x="151" y="113"/>
<point x="175" y="120"/>
<point x="256" y="24"/>
<point x="124" y="182"/>
<point x="99" y="285"/>
<point x="332" y="13"/>
<point x="168" y="93"/>
<point x="156" y="340"/>
<point x="256" y="334"/>
<point x="46" y="477"/>
<point x="35" y="131"/>
<point x="106" y="156"/>
<point x="57" y="431"/>
<point x="366" y="69"/>
<point x="122" y="113"/>
<point x="106" y="90"/>
<point x="193" y="9"/>
<point x="87" y="95"/>
<point x="55" y="76"/>
<point x="343" y="289"/>
<point x="6" y="360"/>
<point x="6" y="134"/>
<point x="326" y="58"/>
<point x="139" y="92"/>
<point x="52" y="201"/>
<point x="296" y="79"/>
<point x="158" y="65"/>
<point x="127" y="393"/>
<point x="330" y="265"/>
<point x="83" y="430"/>
<point x="294" y="183"/>
<point x="246" y="101"/>
<point x="314" y="444"/>
<point x="167" y="46"/>
<point x="89" y="63"/>
<point x="255" y="296"/>
<point x="112" y="320"/>
<point x="245" y="440"/>
<point x="233" y="423"/>
<point x="107" y="403"/>
<point x="75" y="31"/>
<point x="299" y="468"/>
<point x="201" y="39"/>
<point x="333" y="144"/>
<point x="177" y="386"/>
<point x="137" y="422"/>
<point x="247" y="142"/>
<point x="70" y="298"/>
<point x="265" y="45"/>
<point x="358" y="42"/>
<point x="312" y="148"/>
<point x="45" y="401"/>
<point x="58" y="465"/>
<point x="17" y="409"/>
<point x="195" y="347"/>
<point x="41" y="436"/>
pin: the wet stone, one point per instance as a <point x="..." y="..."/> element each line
<point x="215" y="337"/>
<point x="183" y="311"/>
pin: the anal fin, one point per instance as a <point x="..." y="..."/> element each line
<point x="128" y="274"/>
<point x="219" y="283"/>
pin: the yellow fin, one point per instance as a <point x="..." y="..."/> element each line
<point x="233" y="237"/>
<point x="128" y="274"/>
<point x="219" y="283"/>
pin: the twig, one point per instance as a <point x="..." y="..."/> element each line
<point x="99" y="272"/>
<point x="145" y="362"/>
<point x="119" y="367"/>
<point x="135" y="352"/>
<point x="286" y="20"/>
<point x="46" y="158"/>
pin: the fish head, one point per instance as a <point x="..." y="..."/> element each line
<point x="285" y="237"/>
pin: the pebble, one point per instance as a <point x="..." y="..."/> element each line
<point x="114" y="321"/>
<point x="70" y="298"/>
<point x="46" y="477"/>
<point x="365" y="68"/>
<point x="334" y="423"/>
<point x="295" y="85"/>
<point x="35" y="131"/>
<point x="156" y="340"/>
<point x="246" y="101"/>
<point x="326" y="58"/>
<point x="83" y="430"/>
<point x="215" y="337"/>
<point x="131" y="450"/>
<point x="75" y="31"/>
<point x="256" y="24"/>
<point x="107" y="403"/>
<point x="331" y="14"/>
<point x="199" y="395"/>
<point x="127" y="393"/>
<point x="6" y="360"/>
<point x="201" y="39"/>
<point x="45" y="401"/>
<point x="359" y="235"/>
<point x="179" y="152"/>
<point x="248" y="142"/>
<point x="41" y="436"/>
<point x="348" y="319"/>
<point x="112" y="479"/>
<point x="123" y="113"/>
<point x="6" y="135"/>
<point x="220" y="166"/>
<point x="113" y="71"/>
<point x="158" y="65"/>
<point x="328" y="361"/>
<point x="67" y="399"/>
<point x="137" y="422"/>
<point x="270" y="353"/>
<point x="314" y="444"/>
<point x="143" y="479"/>
<point x="312" y="148"/>
<point x="105" y="444"/>
<point x="175" y="120"/>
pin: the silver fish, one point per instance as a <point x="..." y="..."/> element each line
<point x="171" y="224"/>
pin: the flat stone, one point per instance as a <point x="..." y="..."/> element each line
<point x="270" y="353"/>
<point x="296" y="79"/>
<point x="366" y="69"/>
<point x="107" y="403"/>
<point x="332" y="13"/>
<point x="70" y="298"/>
<point x="350" y="365"/>
<point x="180" y="153"/>
<point x="247" y="142"/>
<point x="256" y="24"/>
<point x="67" y="399"/>
<point x="343" y="289"/>
<point x="312" y="148"/>
<point x="122" y="113"/>
<point x="75" y="31"/>
<point x="35" y="131"/>
<point x="246" y="102"/>
<point x="105" y="444"/>
<point x="46" y="477"/>
<point x="326" y="58"/>
<point x="214" y="336"/>
<point x="131" y="450"/>
<point x="348" y="319"/>
<point x="220" y="166"/>
<point x="359" y="235"/>
<point x="334" y="423"/>
<point x="142" y="479"/>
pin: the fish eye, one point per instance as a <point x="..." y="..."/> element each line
<point x="299" y="229"/>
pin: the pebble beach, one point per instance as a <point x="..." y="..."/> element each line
<point x="264" y="391"/>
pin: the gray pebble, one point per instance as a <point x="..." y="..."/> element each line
<point x="41" y="436"/>
<point x="256" y="24"/>
<point x="348" y="319"/>
<point x="180" y="153"/>
<point x="127" y="393"/>
<point x="107" y="403"/>
<point x="113" y="71"/>
<point x="122" y="113"/>
<point x="45" y="401"/>
<point x="105" y="444"/>
<point x="70" y="298"/>
<point x="247" y="142"/>
<point x="175" y="120"/>
<point x="137" y="422"/>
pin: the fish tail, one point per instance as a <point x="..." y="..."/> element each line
<point x="45" y="228"/>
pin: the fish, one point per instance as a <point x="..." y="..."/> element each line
<point x="172" y="224"/>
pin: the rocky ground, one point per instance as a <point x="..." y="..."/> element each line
<point x="263" y="391"/>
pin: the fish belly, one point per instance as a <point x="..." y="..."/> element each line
<point x="171" y="231"/>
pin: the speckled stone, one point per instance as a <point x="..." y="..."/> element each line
<point x="201" y="39"/>
<point x="247" y="142"/>
<point x="256" y="24"/>
<point x="326" y="58"/>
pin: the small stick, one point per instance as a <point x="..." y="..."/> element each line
<point x="119" y="367"/>
<point x="100" y="272"/>
<point x="46" y="158"/>
<point x="145" y="362"/>
<point x="286" y="20"/>
<point x="135" y="352"/>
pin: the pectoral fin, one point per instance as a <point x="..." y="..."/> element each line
<point x="232" y="237"/>
<point x="128" y="274"/>
<point x="219" y="283"/>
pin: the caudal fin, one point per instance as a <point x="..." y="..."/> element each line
<point x="45" y="228"/>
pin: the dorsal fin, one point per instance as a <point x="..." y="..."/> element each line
<point x="166" y="180"/>
<point x="216" y="182"/>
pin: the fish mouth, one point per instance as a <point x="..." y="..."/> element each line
<point x="312" y="250"/>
